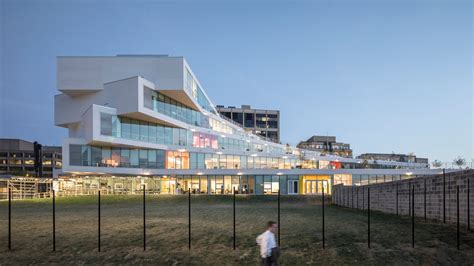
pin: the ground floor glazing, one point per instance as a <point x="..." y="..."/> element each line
<point x="195" y="184"/>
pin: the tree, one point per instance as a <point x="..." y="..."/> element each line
<point x="437" y="164"/>
<point x="365" y="164"/>
<point x="459" y="161"/>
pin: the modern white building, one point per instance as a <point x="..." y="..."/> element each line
<point x="145" y="121"/>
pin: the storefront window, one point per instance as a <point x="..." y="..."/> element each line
<point x="177" y="160"/>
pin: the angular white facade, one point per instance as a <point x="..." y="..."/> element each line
<point x="148" y="116"/>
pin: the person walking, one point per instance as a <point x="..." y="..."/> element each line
<point x="269" y="252"/>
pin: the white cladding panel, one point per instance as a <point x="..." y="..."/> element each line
<point x="90" y="73"/>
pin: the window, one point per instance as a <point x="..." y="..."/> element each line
<point x="126" y="128"/>
<point x="75" y="154"/>
<point x="143" y="159"/>
<point x="143" y="131"/>
<point x="96" y="156"/>
<point x="134" y="161"/>
<point x="177" y="160"/>
<point x="106" y="124"/>
<point x="135" y="130"/>
<point x="249" y="120"/>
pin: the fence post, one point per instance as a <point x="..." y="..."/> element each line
<point x="357" y="196"/>
<point x="457" y="213"/>
<point x="9" y="219"/>
<point x="444" y="195"/>
<point x="409" y="199"/>
<point x="468" y="208"/>
<point x="363" y="199"/>
<point x="279" y="225"/>
<point x="323" y="218"/>
<point x="368" y="217"/>
<point x="424" y="201"/>
<point x="413" y="217"/>
<point x="189" y="218"/>
<point x="352" y="196"/>
<point x="54" y="220"/>
<point x="233" y="203"/>
<point x="144" y="218"/>
<point x="396" y="199"/>
<point x="98" y="222"/>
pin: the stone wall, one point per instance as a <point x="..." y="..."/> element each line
<point x="395" y="197"/>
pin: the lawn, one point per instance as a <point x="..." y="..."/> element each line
<point x="167" y="233"/>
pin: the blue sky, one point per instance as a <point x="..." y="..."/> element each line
<point x="381" y="75"/>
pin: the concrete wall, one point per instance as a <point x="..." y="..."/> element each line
<point x="383" y="197"/>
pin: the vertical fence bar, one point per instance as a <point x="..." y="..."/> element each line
<point x="9" y="219"/>
<point x="279" y="225"/>
<point x="323" y="218"/>
<point x="98" y="222"/>
<point x="368" y="217"/>
<point x="144" y="219"/>
<point x="457" y="213"/>
<point x="444" y="196"/>
<point x="468" y="208"/>
<point x="233" y="203"/>
<point x="54" y="220"/>
<point x="413" y="216"/>
<point x="357" y="196"/>
<point x="352" y="196"/>
<point x="424" y="198"/>
<point x="396" y="199"/>
<point x="409" y="199"/>
<point x="363" y="199"/>
<point x="189" y="218"/>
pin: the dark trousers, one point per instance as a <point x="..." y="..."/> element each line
<point x="268" y="262"/>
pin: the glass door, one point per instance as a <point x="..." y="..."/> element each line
<point x="292" y="186"/>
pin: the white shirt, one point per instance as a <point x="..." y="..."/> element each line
<point x="266" y="241"/>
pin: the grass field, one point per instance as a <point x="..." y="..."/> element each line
<point x="167" y="233"/>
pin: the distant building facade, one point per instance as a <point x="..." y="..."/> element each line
<point x="17" y="158"/>
<point x="265" y="123"/>
<point x="394" y="157"/>
<point x="326" y="145"/>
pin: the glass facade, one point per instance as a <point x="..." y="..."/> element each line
<point x="133" y="129"/>
<point x="85" y="155"/>
<point x="179" y="184"/>
<point x="361" y="180"/>
<point x="192" y="86"/>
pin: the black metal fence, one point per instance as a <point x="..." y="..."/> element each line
<point x="323" y="199"/>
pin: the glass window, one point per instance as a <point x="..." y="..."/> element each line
<point x="200" y="161"/>
<point x="106" y="156"/>
<point x="135" y="130"/>
<point x="126" y="128"/>
<point x="160" y="159"/>
<point x="116" y="127"/>
<point x="134" y="158"/>
<point x="152" y="159"/>
<point x="75" y="154"/>
<point x="96" y="156"/>
<point x="143" y="131"/>
<point x="143" y="158"/>
<point x="125" y="157"/>
<point x="106" y="124"/>
<point x="152" y="133"/>
<point x="193" y="160"/>
<point x="203" y="185"/>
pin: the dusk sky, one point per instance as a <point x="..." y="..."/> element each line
<point x="384" y="76"/>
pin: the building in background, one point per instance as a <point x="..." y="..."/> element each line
<point x="393" y="157"/>
<point x="17" y="158"/>
<point x="265" y="123"/>
<point x="327" y="145"/>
